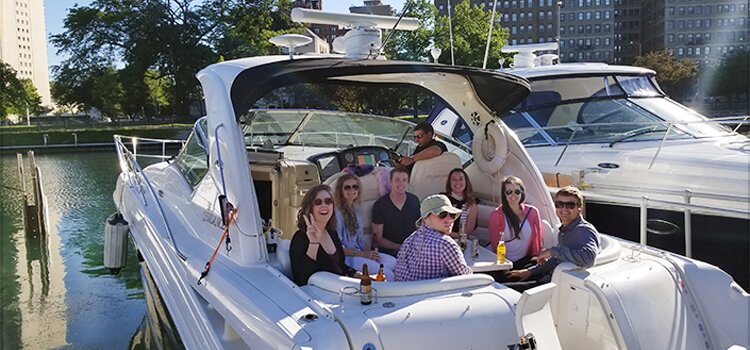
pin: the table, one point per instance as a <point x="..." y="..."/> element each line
<point x="486" y="261"/>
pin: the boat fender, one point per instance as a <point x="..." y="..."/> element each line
<point x="115" y="243"/>
<point x="490" y="148"/>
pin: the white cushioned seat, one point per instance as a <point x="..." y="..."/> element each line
<point x="282" y="254"/>
<point x="429" y="176"/>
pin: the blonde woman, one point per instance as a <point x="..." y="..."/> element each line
<point x="347" y="197"/>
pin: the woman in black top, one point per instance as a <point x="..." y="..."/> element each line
<point x="459" y="191"/>
<point x="316" y="246"/>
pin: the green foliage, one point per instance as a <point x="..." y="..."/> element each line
<point x="415" y="45"/>
<point x="470" y="27"/>
<point x="17" y="94"/>
<point x="732" y="76"/>
<point x="674" y="75"/>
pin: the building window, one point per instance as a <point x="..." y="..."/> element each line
<point x="597" y="28"/>
<point x="606" y="42"/>
<point x="670" y="38"/>
<point x="588" y="15"/>
<point x="607" y="15"/>
<point x="598" y="15"/>
<point x="680" y="51"/>
<point x="707" y="50"/>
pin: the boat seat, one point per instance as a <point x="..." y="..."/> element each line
<point x="430" y="175"/>
<point x="549" y="235"/>
<point x="483" y="217"/>
<point x="282" y="254"/>
<point x="609" y="250"/>
<point x="534" y="316"/>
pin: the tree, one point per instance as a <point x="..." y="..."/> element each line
<point x="414" y="45"/>
<point x="674" y="75"/>
<point x="732" y="77"/>
<point x="16" y="94"/>
<point x="470" y="27"/>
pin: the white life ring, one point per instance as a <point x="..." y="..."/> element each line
<point x="490" y="152"/>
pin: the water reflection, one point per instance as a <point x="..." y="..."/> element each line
<point x="157" y="331"/>
<point x="54" y="289"/>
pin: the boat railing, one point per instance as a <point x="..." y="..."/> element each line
<point x="577" y="128"/>
<point x="127" y="153"/>
<point x="646" y="202"/>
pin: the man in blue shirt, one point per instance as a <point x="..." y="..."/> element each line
<point x="578" y="240"/>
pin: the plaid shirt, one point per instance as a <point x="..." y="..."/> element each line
<point x="427" y="254"/>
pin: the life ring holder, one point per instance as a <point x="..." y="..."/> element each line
<point x="490" y="148"/>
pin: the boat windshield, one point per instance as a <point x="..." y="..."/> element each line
<point x="604" y="109"/>
<point x="340" y="116"/>
<point x="321" y="128"/>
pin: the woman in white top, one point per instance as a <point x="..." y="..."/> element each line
<point x="349" y="227"/>
<point x="516" y="223"/>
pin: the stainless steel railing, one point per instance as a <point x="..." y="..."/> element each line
<point x="137" y="178"/>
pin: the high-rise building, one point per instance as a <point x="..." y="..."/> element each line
<point x="700" y="30"/>
<point x="617" y="31"/>
<point x="23" y="42"/>
<point x="373" y="7"/>
<point x="587" y="31"/>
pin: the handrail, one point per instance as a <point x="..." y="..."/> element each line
<point x="686" y="206"/>
<point x="679" y="193"/>
<point x="668" y="124"/>
<point x="129" y="162"/>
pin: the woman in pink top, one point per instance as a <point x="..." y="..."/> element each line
<point x="516" y="223"/>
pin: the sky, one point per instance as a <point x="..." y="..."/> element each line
<point x="57" y="10"/>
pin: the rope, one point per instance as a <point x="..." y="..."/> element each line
<point x="207" y="268"/>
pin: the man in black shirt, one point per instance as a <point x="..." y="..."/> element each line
<point x="427" y="147"/>
<point x="394" y="215"/>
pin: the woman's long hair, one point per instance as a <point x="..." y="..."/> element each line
<point x="347" y="211"/>
<point x="469" y="195"/>
<point x="507" y="210"/>
<point x="307" y="206"/>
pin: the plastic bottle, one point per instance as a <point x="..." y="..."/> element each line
<point x="501" y="252"/>
<point x="381" y="274"/>
<point x="365" y="287"/>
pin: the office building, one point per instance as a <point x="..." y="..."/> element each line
<point x="23" y="42"/>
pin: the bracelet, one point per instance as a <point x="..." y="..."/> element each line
<point x="311" y="242"/>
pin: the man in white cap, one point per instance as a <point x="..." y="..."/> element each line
<point x="430" y="252"/>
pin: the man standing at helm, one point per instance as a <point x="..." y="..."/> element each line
<point x="427" y="147"/>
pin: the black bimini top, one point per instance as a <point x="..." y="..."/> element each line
<point x="498" y="91"/>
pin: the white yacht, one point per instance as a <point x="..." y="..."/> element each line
<point x="611" y="131"/>
<point x="243" y="165"/>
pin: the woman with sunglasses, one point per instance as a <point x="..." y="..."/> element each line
<point x="516" y="223"/>
<point x="349" y="227"/>
<point x="459" y="191"/>
<point x="316" y="246"/>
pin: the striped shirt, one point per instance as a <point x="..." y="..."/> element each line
<point x="428" y="254"/>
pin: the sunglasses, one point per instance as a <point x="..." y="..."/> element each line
<point x="566" y="205"/>
<point x="445" y="214"/>
<point x="516" y="191"/>
<point x="318" y="201"/>
<point x="351" y="187"/>
<point x="418" y="137"/>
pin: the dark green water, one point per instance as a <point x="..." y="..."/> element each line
<point x="54" y="291"/>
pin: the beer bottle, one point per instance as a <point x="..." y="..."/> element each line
<point x="501" y="252"/>
<point x="365" y="287"/>
<point x="381" y="275"/>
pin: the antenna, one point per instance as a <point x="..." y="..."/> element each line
<point x="290" y="41"/>
<point x="364" y="37"/>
